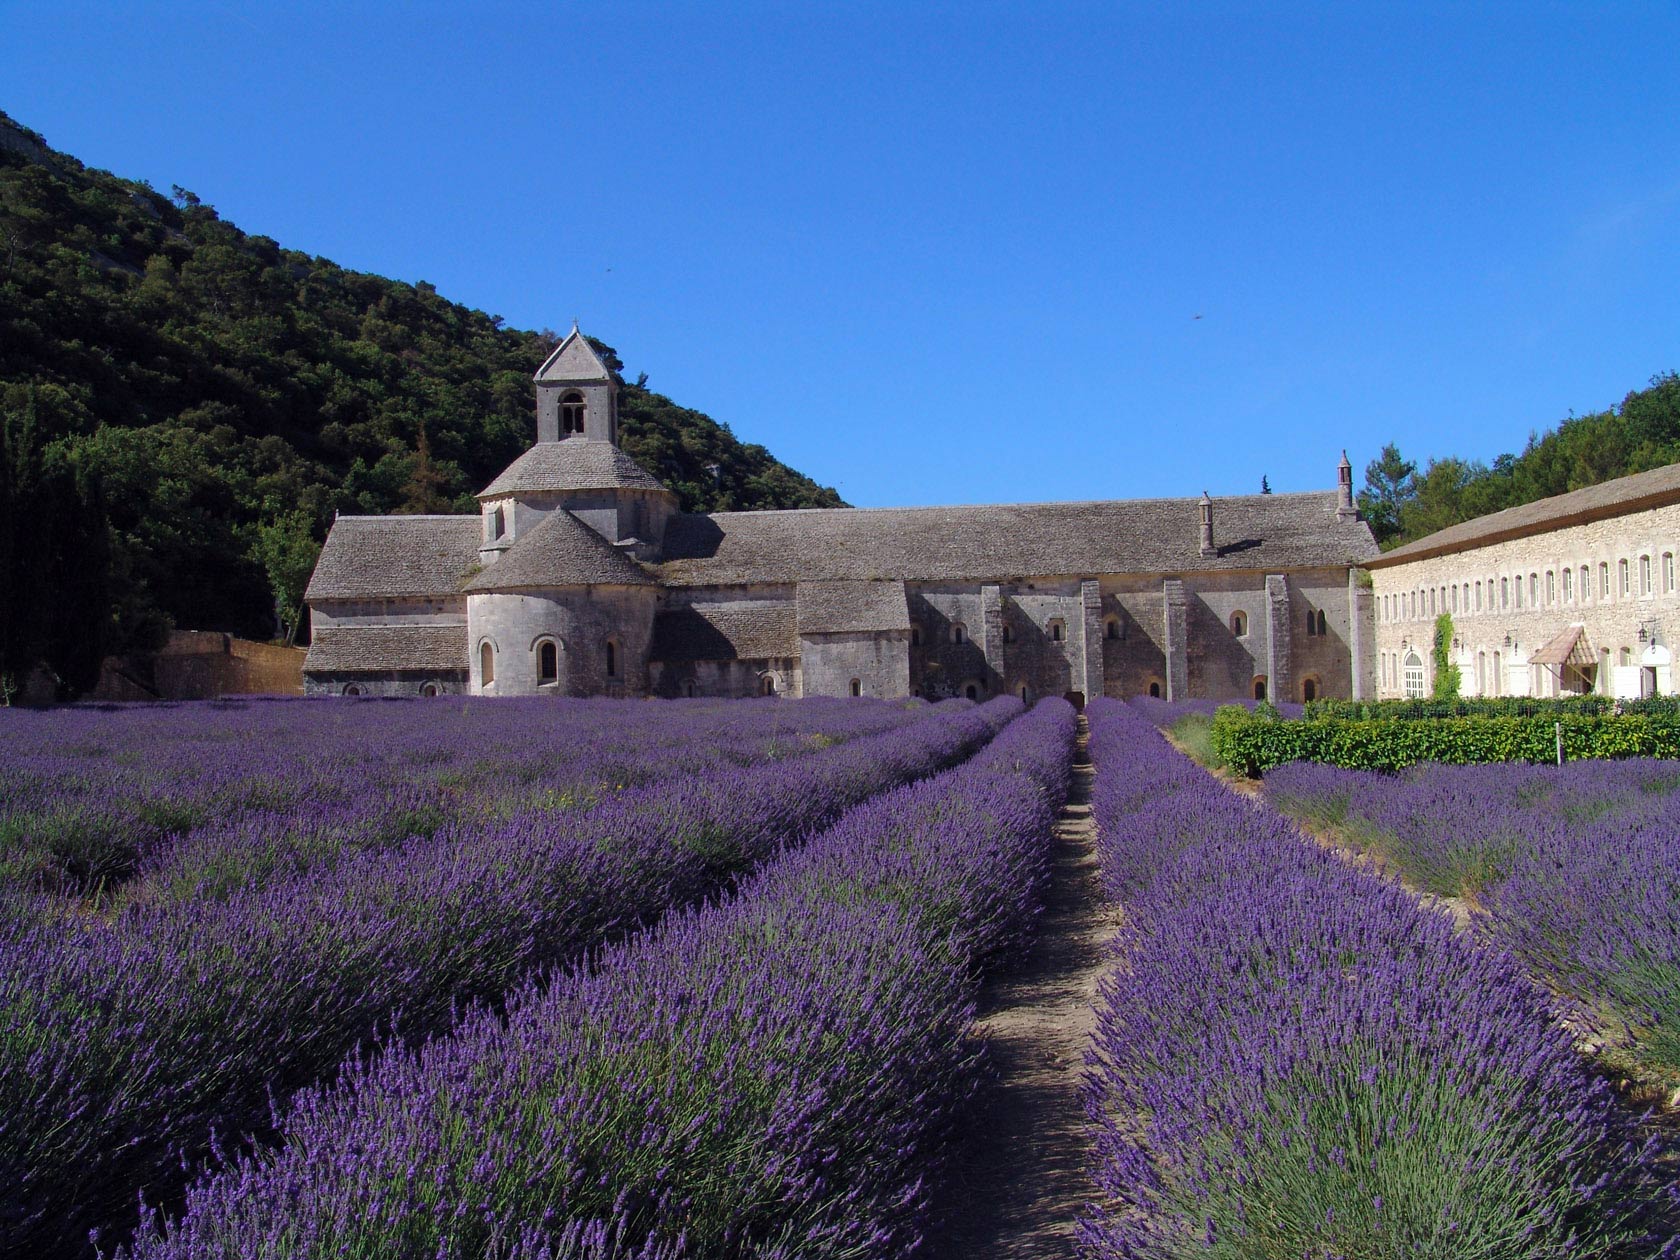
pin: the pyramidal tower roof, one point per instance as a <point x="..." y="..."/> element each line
<point x="560" y="551"/>
<point x="574" y="359"/>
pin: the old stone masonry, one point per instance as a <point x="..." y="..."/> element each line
<point x="579" y="577"/>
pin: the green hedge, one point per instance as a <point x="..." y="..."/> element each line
<point x="1502" y="706"/>
<point x="1250" y="744"/>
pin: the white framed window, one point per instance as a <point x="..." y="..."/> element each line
<point x="1414" y="676"/>
<point x="1644" y="575"/>
<point x="1504" y="592"/>
<point x="1668" y="572"/>
<point x="1551" y="588"/>
<point x="1239" y="624"/>
<point x="1568" y="586"/>
<point x="1623" y="584"/>
<point x="1604" y="579"/>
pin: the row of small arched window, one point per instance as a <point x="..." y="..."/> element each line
<point x="1056" y="628"/>
<point x="1574" y="585"/>
<point x="548" y="661"/>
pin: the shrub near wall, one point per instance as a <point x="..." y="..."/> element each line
<point x="1252" y="744"/>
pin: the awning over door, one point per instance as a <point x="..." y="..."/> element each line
<point x="1568" y="648"/>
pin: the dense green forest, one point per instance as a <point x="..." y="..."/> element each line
<point x="184" y="407"/>
<point x="1642" y="432"/>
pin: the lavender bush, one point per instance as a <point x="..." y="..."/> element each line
<point x="767" y="1077"/>
<point x="1574" y="868"/>
<point x="1293" y="1059"/>
<point x="126" y="1040"/>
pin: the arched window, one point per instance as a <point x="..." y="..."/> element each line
<point x="1481" y="673"/>
<point x="571" y="413"/>
<point x="1644" y="575"/>
<point x="915" y="636"/>
<point x="1478" y="596"/>
<point x="486" y="664"/>
<point x="1534" y="590"/>
<point x="1413" y="676"/>
<point x="1622" y="578"/>
<point x="1111" y="628"/>
<point x="1323" y="624"/>
<point x="1309" y="690"/>
<point x="1239" y="623"/>
<point x="688" y="689"/>
<point x="1155" y="690"/>
<point x="498" y="524"/>
<point x="1568" y="586"/>
<point x="429" y="690"/>
<point x="1626" y="657"/>
<point x="548" y="662"/>
<point x="1668" y="573"/>
<point x="1023" y="693"/>
<point x="354" y="689"/>
<point x="768" y="684"/>
<point x="1260" y="687"/>
<point x="612" y="659"/>
<point x="1586" y="584"/>
<point x="1312" y="623"/>
<point x="1504" y="592"/>
<point x="1455" y="599"/>
<point x="1604" y="579"/>
<point x="857" y="687"/>
<point x="1008" y="635"/>
<point x="1519" y="591"/>
<point x="1056" y="629"/>
<point x="959" y="634"/>
<point x="972" y="691"/>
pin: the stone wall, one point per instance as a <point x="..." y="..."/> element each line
<point x="878" y="663"/>
<point x="581" y="623"/>
<point x="1408" y="597"/>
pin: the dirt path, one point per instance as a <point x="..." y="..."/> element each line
<point x="1019" y="1176"/>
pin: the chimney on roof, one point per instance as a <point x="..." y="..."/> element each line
<point x="1206" y="506"/>
<point x="1345" y="509"/>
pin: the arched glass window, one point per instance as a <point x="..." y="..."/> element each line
<point x="1414" y="676"/>
<point x="1309" y="690"/>
<point x="1551" y="589"/>
<point x="571" y="413"/>
<point x="1323" y="624"/>
<point x="857" y="687"/>
<point x="1155" y="690"/>
<point x="1626" y="657"/>
<point x="1668" y="573"/>
<point x="1604" y="579"/>
<point x="1478" y="595"/>
<point x="1239" y="623"/>
<point x="1260" y="688"/>
<point x="1568" y="586"/>
<point x="1644" y="575"/>
<point x="1312" y="623"/>
<point x="612" y="659"/>
<point x="1504" y="592"/>
<point x="1496" y="684"/>
<point x="1534" y="590"/>
<point x="1056" y="629"/>
<point x="548" y="662"/>
<point x="959" y="634"/>
<point x="1481" y="673"/>
<point x="486" y="664"/>
<point x="1622" y="578"/>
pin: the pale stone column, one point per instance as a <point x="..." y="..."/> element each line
<point x="1279" y="631"/>
<point x="1177" y="616"/>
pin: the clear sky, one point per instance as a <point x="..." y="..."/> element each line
<point x="965" y="252"/>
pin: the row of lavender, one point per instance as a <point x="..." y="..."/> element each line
<point x="152" y="801"/>
<point x="127" y="1040"/>
<point x="767" y="1077"/>
<point x="1293" y="1058"/>
<point x="1574" y="868"/>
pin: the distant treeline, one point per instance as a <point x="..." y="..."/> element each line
<point x="184" y="407"/>
<point x="1643" y="432"/>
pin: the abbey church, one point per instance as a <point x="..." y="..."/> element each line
<point x="579" y="577"/>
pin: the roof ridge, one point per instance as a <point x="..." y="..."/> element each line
<point x="1041" y="503"/>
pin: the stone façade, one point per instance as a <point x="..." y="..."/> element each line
<point x="580" y="577"/>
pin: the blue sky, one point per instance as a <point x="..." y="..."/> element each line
<point x="940" y="253"/>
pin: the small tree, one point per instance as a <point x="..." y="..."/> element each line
<point x="287" y="548"/>
<point x="1446" y="673"/>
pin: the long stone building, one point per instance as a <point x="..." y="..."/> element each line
<point x="1572" y="594"/>
<point x="579" y="576"/>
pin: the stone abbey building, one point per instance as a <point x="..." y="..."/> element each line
<point x="579" y="577"/>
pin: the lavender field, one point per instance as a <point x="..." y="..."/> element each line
<point x="208" y="908"/>
<point x="590" y="980"/>
<point x="1295" y="1058"/>
<point x="1574" y="869"/>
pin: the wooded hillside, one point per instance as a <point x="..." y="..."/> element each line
<point x="185" y="406"/>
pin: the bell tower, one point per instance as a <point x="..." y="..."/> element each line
<point x="577" y="397"/>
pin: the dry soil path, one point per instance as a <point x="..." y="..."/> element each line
<point x="1019" y="1176"/>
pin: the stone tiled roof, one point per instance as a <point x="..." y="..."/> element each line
<point x="422" y="649"/>
<point x="574" y="359"/>
<point x="1252" y="532"/>
<point x="725" y="632"/>
<point x="839" y="607"/>
<point x="573" y="463"/>
<point x="375" y="557"/>
<point x="1607" y="499"/>
<point x="560" y="550"/>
